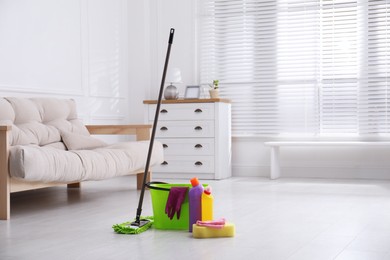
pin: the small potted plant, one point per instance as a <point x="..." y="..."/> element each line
<point x="214" y="91"/>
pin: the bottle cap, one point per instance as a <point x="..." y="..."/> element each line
<point x="208" y="190"/>
<point x="194" y="182"/>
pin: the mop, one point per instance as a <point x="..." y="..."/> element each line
<point x="141" y="224"/>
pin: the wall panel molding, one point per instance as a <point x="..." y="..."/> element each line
<point x="40" y="90"/>
<point x="106" y="48"/>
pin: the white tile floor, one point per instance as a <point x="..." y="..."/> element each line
<point x="294" y="219"/>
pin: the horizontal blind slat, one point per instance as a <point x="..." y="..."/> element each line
<point x="295" y="66"/>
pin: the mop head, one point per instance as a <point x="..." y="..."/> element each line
<point x="127" y="228"/>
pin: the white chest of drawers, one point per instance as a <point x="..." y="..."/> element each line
<point x="196" y="135"/>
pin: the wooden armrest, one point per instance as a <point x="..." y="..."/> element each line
<point x="142" y="132"/>
<point x="4" y="141"/>
<point x="4" y="177"/>
<point x="5" y="127"/>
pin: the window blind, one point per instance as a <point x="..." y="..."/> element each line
<point x="374" y="106"/>
<point x="301" y="67"/>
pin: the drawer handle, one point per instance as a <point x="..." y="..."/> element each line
<point x="164" y="163"/>
<point x="164" y="128"/>
<point x="198" y="110"/>
<point x="198" y="146"/>
<point x="198" y="163"/>
<point x="165" y="146"/>
<point x="164" y="111"/>
<point x="198" y="128"/>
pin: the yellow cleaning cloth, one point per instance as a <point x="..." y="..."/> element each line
<point x="228" y="230"/>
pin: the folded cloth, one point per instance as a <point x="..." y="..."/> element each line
<point x="219" y="223"/>
<point x="175" y="200"/>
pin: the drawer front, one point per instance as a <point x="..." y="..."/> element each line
<point x="194" y="111"/>
<point x="195" y="146"/>
<point x="185" y="129"/>
<point x="186" y="164"/>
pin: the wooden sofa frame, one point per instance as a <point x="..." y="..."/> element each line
<point x="10" y="185"/>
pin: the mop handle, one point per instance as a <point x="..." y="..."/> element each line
<point x="171" y="33"/>
<point x="141" y="198"/>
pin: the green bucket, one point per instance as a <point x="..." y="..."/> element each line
<point x="159" y="193"/>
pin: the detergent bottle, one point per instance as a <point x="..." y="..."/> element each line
<point x="194" y="202"/>
<point x="207" y="204"/>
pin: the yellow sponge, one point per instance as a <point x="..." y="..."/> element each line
<point x="206" y="232"/>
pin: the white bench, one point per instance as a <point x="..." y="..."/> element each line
<point x="275" y="158"/>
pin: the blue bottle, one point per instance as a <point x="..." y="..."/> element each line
<point x="194" y="202"/>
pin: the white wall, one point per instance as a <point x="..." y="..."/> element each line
<point x="108" y="55"/>
<point x="180" y="15"/>
<point x="67" y="48"/>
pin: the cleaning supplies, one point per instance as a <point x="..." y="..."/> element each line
<point x="219" y="223"/>
<point x="207" y="204"/>
<point x="194" y="202"/>
<point x="228" y="230"/>
<point x="214" y="228"/>
<point x="128" y="228"/>
<point x="175" y="200"/>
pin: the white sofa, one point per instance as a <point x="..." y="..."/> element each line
<point x="43" y="143"/>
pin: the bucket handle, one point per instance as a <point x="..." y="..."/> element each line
<point x="149" y="185"/>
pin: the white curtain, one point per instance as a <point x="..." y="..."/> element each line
<point x="299" y="67"/>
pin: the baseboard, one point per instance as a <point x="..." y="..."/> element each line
<point x="331" y="172"/>
<point x="250" y="171"/>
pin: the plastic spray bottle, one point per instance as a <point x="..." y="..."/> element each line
<point x="194" y="202"/>
<point x="207" y="204"/>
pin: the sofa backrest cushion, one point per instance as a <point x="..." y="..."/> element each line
<point x="40" y="121"/>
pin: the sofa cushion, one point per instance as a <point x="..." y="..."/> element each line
<point x="74" y="141"/>
<point x="47" y="164"/>
<point x="39" y="121"/>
